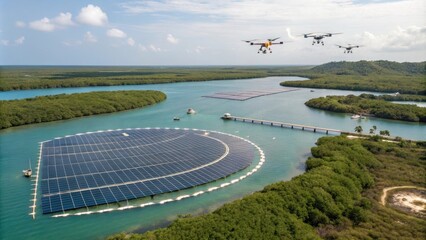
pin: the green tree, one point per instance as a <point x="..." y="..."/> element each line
<point x="385" y="133"/>
<point x="358" y="129"/>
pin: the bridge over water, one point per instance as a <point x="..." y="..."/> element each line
<point x="286" y="125"/>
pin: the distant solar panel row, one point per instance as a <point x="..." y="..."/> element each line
<point x="242" y="96"/>
<point x="90" y="169"/>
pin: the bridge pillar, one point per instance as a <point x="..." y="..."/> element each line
<point x="291" y="126"/>
<point x="272" y="124"/>
<point x="326" y="132"/>
<point x="303" y="128"/>
<point x="315" y="130"/>
<point x="281" y="125"/>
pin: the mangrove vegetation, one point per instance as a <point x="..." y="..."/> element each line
<point x="336" y="198"/>
<point x="377" y="106"/>
<point x="379" y="76"/>
<point x="19" y="78"/>
<point x="67" y="106"/>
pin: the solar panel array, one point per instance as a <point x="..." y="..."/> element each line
<point x="242" y="96"/>
<point x="91" y="169"/>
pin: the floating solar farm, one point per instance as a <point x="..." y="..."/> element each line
<point x="105" y="167"/>
<point x="246" y="95"/>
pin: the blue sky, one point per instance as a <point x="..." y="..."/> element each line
<point x="189" y="32"/>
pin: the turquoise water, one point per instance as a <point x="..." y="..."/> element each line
<point x="285" y="150"/>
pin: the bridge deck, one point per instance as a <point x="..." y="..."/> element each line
<point x="284" y="124"/>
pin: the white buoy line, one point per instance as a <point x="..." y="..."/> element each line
<point x="211" y="189"/>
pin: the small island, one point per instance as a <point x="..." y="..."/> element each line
<point x="371" y="105"/>
<point x="66" y="106"/>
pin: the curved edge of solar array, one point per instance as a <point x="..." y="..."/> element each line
<point x="211" y="189"/>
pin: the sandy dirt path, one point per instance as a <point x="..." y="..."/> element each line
<point x="385" y="192"/>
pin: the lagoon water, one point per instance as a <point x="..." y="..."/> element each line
<point x="286" y="150"/>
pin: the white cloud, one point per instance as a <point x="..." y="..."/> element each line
<point x="172" y="39"/>
<point x="89" y="37"/>
<point x="116" y="33"/>
<point x="131" y="42"/>
<point x="401" y="39"/>
<point x="142" y="48"/>
<point x="154" y="48"/>
<point x="64" y="19"/>
<point x="72" y="43"/>
<point x="273" y="10"/>
<point x="20" y="40"/>
<point x="44" y="25"/>
<point x="92" y="15"/>
<point x="20" y="24"/>
<point x="151" y="48"/>
<point x="197" y="49"/>
<point x="4" y="42"/>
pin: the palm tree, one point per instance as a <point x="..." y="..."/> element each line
<point x="373" y="129"/>
<point x="358" y="129"/>
<point x="385" y="133"/>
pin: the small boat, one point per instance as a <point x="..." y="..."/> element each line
<point x="312" y="90"/>
<point x="227" y="116"/>
<point x="355" y="116"/>
<point x="176" y="119"/>
<point x="190" y="111"/>
<point x="27" y="172"/>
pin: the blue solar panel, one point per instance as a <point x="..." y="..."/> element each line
<point x="107" y="167"/>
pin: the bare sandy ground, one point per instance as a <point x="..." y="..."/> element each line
<point x="413" y="201"/>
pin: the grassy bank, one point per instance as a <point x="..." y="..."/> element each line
<point x="377" y="106"/>
<point x="63" y="106"/>
<point x="337" y="198"/>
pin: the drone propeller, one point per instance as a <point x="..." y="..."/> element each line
<point x="330" y="34"/>
<point x="271" y="40"/>
<point x="249" y="41"/>
<point x="305" y="35"/>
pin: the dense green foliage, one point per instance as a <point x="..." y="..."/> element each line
<point x="371" y="67"/>
<point x="18" y="78"/>
<point x="381" y="76"/>
<point x="327" y="201"/>
<point x="402" y="164"/>
<point x="60" y="107"/>
<point x="368" y="104"/>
